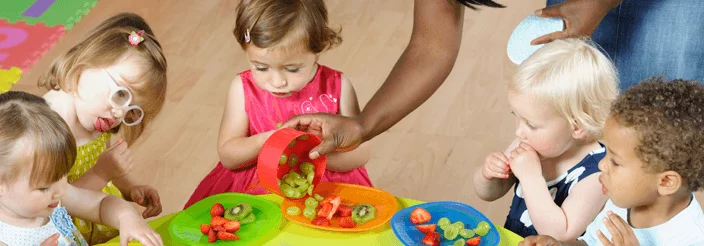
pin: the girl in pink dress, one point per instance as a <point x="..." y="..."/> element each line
<point x="283" y="40"/>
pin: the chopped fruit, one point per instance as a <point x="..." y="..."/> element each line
<point x="232" y="226"/>
<point x="283" y="159"/>
<point x="293" y="210"/>
<point x="482" y="228"/>
<point x="293" y="160"/>
<point x="303" y="137"/>
<point x="467" y="233"/>
<point x="432" y="239"/>
<point x="363" y="213"/>
<point x="311" y="202"/>
<point x="443" y="221"/>
<point x="459" y="242"/>
<point x="249" y="219"/>
<point x="226" y="236"/>
<point x="217" y="221"/>
<point x="425" y="229"/>
<point x="217" y="210"/>
<point x="238" y="212"/>
<point x="420" y="216"/>
<point x="309" y="212"/>
<point x="451" y="233"/>
<point x="219" y="228"/>
<point x="292" y="144"/>
<point x="318" y="197"/>
<point x="346" y="222"/>
<point x="321" y="221"/>
<point x="474" y="241"/>
<point x="344" y="211"/>
<point x="307" y="168"/>
<point x="459" y="225"/>
<point x="211" y="236"/>
<point x="329" y="206"/>
<point x="204" y="229"/>
<point x="325" y="209"/>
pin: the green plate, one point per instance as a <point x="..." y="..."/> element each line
<point x="185" y="227"/>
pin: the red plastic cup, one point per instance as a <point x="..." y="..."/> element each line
<point x="268" y="167"/>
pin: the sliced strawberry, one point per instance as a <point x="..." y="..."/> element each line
<point x="217" y="221"/>
<point x="232" y="226"/>
<point x="218" y="228"/>
<point x="432" y="239"/>
<point x="344" y="211"/>
<point x="226" y="236"/>
<point x="217" y="210"/>
<point x="346" y="222"/>
<point x="420" y="216"/>
<point x="425" y="229"/>
<point x="204" y="229"/>
<point x="321" y="221"/>
<point x="474" y="241"/>
<point x="211" y="236"/>
<point x="329" y="206"/>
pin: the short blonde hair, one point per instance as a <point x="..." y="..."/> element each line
<point x="575" y="77"/>
<point x="103" y="47"/>
<point x="30" y="124"/>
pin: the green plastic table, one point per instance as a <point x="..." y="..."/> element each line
<point x="290" y="233"/>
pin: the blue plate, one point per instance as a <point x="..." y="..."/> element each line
<point x="532" y="27"/>
<point x="407" y="233"/>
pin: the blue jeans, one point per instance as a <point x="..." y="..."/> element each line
<point x="648" y="38"/>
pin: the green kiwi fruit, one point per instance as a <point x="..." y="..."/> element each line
<point x="362" y="213"/>
<point x="238" y="211"/>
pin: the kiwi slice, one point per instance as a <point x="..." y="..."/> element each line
<point x="363" y="213"/>
<point x="248" y="219"/>
<point x="238" y="212"/>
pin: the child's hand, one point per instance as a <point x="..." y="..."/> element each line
<point x="52" y="240"/>
<point x="134" y="228"/>
<point x="495" y="166"/>
<point x="524" y="162"/>
<point x="621" y="232"/>
<point x="541" y="240"/>
<point x="115" y="162"/>
<point x="148" y="197"/>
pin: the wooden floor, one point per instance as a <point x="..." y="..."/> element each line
<point x="430" y="155"/>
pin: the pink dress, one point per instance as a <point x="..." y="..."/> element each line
<point x="265" y="111"/>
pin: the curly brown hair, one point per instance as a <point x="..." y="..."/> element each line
<point x="669" y="117"/>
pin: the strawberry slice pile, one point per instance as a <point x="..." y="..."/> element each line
<point x="419" y="216"/>
<point x="219" y="227"/>
<point x="331" y="207"/>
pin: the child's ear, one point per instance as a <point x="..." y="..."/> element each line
<point x="669" y="183"/>
<point x="578" y="132"/>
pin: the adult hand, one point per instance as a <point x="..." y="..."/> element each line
<point x="581" y="17"/>
<point x="541" y="240"/>
<point x="339" y="133"/>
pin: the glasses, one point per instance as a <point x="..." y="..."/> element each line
<point x="120" y="97"/>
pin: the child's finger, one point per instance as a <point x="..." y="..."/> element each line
<point x="616" y="236"/>
<point x="603" y="238"/>
<point x="620" y="224"/>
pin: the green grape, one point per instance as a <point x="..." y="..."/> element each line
<point x="443" y="221"/>
<point x="282" y="159"/>
<point x="292" y="144"/>
<point x="310" y="190"/>
<point x="318" y="197"/>
<point x="288" y="191"/>
<point x="482" y="228"/>
<point x="297" y="194"/>
<point x="459" y="225"/>
<point x="451" y="233"/>
<point x="293" y="160"/>
<point x="310" y="177"/>
<point x="289" y="181"/>
<point x="295" y="175"/>
<point x="303" y="188"/>
<point x="309" y="212"/>
<point x="303" y="137"/>
<point x="293" y="210"/>
<point x="459" y="242"/>
<point x="311" y="202"/>
<point x="466" y="233"/>
<point x="307" y="168"/>
<point x="301" y="181"/>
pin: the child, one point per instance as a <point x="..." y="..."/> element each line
<point x="283" y="40"/>
<point x="113" y="81"/>
<point x="560" y="97"/>
<point x="654" y="162"/>
<point x="36" y="154"/>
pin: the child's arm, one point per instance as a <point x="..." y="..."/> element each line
<point x="109" y="210"/>
<point x="488" y="184"/>
<point x="564" y="223"/>
<point x="235" y="149"/>
<point x="347" y="161"/>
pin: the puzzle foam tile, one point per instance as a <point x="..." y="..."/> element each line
<point x="9" y="78"/>
<point x="49" y="12"/>
<point x="21" y="45"/>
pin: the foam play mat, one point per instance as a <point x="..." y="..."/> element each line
<point x="29" y="28"/>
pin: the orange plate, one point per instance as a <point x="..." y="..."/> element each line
<point x="384" y="203"/>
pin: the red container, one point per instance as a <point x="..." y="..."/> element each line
<point x="268" y="167"/>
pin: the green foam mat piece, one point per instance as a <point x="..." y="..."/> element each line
<point x="49" y="12"/>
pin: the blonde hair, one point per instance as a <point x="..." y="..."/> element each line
<point x="103" y="47"/>
<point x="271" y="22"/>
<point x="575" y="77"/>
<point x="30" y="126"/>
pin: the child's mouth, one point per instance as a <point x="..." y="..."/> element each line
<point x="280" y="94"/>
<point x="103" y="124"/>
<point x="53" y="205"/>
<point x="603" y="187"/>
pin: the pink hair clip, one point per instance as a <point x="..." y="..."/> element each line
<point x="247" y="38"/>
<point x="136" y="37"/>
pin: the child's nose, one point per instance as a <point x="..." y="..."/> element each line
<point x="602" y="165"/>
<point x="118" y="112"/>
